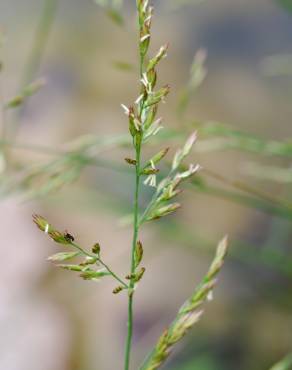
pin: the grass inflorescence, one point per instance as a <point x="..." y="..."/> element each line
<point x="144" y="124"/>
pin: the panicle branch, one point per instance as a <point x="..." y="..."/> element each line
<point x="89" y="259"/>
<point x="188" y="315"/>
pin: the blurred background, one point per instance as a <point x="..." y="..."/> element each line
<point x="236" y="93"/>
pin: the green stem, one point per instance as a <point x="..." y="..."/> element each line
<point x="135" y="238"/>
<point x="148" y="208"/>
<point x="114" y="275"/>
<point x="84" y="252"/>
<point x="137" y="144"/>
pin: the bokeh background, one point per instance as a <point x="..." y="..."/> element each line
<point x="87" y="53"/>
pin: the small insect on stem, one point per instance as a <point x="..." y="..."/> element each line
<point x="68" y="237"/>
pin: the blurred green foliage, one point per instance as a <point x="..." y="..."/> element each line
<point x="286" y="4"/>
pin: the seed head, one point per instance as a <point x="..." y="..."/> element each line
<point x="118" y="289"/>
<point x="96" y="248"/>
<point x="138" y="253"/>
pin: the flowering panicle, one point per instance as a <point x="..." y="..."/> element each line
<point x="188" y="315"/>
<point x="142" y="121"/>
<point x="167" y="188"/>
<point x="145" y="12"/>
<point x="88" y="259"/>
<point x="143" y="124"/>
<point x="182" y="153"/>
<point x="57" y="236"/>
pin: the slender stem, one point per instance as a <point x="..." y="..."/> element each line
<point x="148" y="208"/>
<point x="83" y="251"/>
<point x="114" y="275"/>
<point x="132" y="283"/>
<point x="137" y="144"/>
